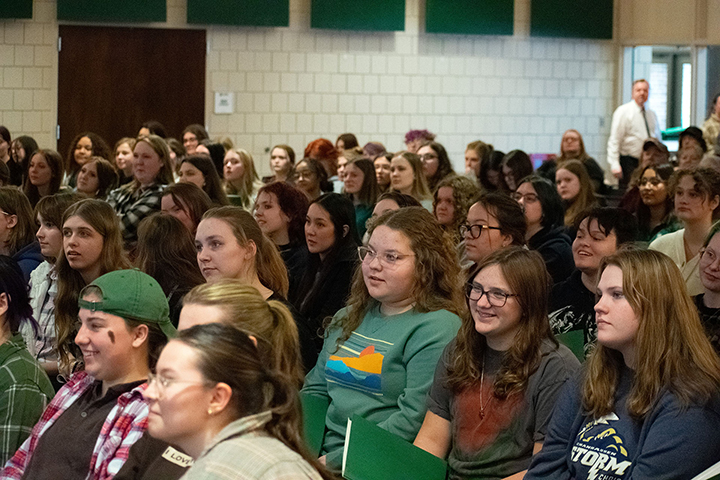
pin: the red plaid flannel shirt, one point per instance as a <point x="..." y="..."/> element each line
<point x="123" y="426"/>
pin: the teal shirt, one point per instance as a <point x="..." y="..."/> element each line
<point x="362" y="214"/>
<point x="25" y="390"/>
<point x="382" y="372"/>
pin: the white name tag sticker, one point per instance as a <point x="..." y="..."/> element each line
<point x="176" y="457"/>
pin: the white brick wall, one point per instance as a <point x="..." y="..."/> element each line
<point x="295" y="84"/>
<point x="28" y="74"/>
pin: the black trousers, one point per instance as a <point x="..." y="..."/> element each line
<point x="628" y="165"/>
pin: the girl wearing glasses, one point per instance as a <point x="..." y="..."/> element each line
<point x="496" y="384"/>
<point x="436" y="163"/>
<point x="708" y="302"/>
<point x="494" y="221"/>
<point x="655" y="212"/>
<point x="379" y="352"/>
<point x="545" y="232"/>
<point x="215" y="398"/>
<point x="647" y="405"/>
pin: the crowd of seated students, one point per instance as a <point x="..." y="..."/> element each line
<point x="437" y="305"/>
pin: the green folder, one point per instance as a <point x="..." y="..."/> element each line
<point x="314" y="410"/>
<point x="372" y="453"/>
<point x="575" y="341"/>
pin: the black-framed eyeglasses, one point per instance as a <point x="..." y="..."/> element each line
<point x="527" y="198"/>
<point x="495" y="297"/>
<point x="475" y="230"/>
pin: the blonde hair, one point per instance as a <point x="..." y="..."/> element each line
<point x="268" y="263"/>
<point x="270" y="321"/>
<point x="671" y="349"/>
<point x="250" y="182"/>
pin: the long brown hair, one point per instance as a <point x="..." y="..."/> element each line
<point x="671" y="349"/>
<point x="268" y="263"/>
<point x="243" y="307"/>
<point x="585" y="198"/>
<point x="102" y="218"/>
<point x="227" y="355"/>
<point x="526" y="275"/>
<point x="55" y="164"/>
<point x="420" y="189"/>
<point x="437" y="272"/>
<point x="169" y="262"/>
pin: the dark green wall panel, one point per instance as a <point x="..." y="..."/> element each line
<point x="112" y="10"/>
<point x="258" y="13"/>
<point x="572" y="18"/>
<point x="16" y="8"/>
<point x="375" y="15"/>
<point x="468" y="17"/>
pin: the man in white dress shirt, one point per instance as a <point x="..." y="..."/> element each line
<point x="632" y="124"/>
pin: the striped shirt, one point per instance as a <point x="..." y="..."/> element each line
<point x="123" y="426"/>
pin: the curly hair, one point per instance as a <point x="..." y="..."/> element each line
<point x="437" y="272"/>
<point x="464" y="191"/>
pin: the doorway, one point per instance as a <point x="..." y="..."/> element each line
<point x="111" y="80"/>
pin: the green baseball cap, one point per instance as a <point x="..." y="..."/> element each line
<point x="130" y="294"/>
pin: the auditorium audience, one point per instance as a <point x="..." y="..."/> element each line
<point x="311" y="178"/>
<point x="23" y="148"/>
<point x="572" y="147"/>
<point x="516" y="165"/>
<point x="346" y="141"/>
<point x="192" y="136"/>
<point x="380" y="351"/>
<point x="477" y="154"/>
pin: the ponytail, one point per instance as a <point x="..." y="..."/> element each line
<point x="285" y="342"/>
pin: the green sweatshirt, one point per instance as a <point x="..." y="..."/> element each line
<point x="382" y="372"/>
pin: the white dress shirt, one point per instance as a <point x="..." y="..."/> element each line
<point x="628" y="132"/>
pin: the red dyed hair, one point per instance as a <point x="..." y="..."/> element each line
<point x="324" y="152"/>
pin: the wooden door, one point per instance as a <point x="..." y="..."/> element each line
<point x="111" y="80"/>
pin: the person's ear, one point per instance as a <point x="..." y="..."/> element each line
<point x="140" y="335"/>
<point x="11" y="221"/>
<point x="506" y="240"/>
<point x="4" y="303"/>
<point x="221" y="395"/>
<point x="346" y="230"/>
<point x="715" y="202"/>
<point x="250" y="250"/>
